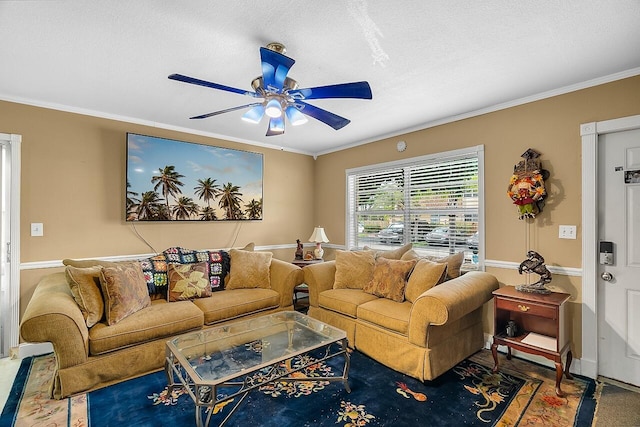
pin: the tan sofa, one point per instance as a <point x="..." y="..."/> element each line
<point x="423" y="338"/>
<point x="89" y="358"/>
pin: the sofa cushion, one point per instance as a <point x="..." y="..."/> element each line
<point x="386" y="314"/>
<point x="232" y="303"/>
<point x="85" y="287"/>
<point x="425" y="275"/>
<point x="124" y="290"/>
<point x="159" y="320"/>
<point x="344" y="301"/>
<point x="354" y="269"/>
<point x="389" y="278"/>
<point x="249" y="269"/>
<point x="454" y="262"/>
<point x="393" y="253"/>
<point x="188" y="281"/>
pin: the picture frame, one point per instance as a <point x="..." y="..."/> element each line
<point x="172" y="180"/>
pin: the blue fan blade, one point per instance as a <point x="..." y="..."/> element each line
<point x="275" y="67"/>
<point x="276" y="126"/>
<point x="324" y="116"/>
<point x="186" y="79"/>
<point x="359" y="90"/>
<point x="204" y="116"/>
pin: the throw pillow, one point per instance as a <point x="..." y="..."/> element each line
<point x="389" y="278"/>
<point x="218" y="262"/>
<point x="188" y="281"/>
<point x="249" y="269"/>
<point x="124" y="290"/>
<point x="454" y="262"/>
<point x="85" y="287"/>
<point x="391" y="254"/>
<point x="425" y="275"/>
<point x="354" y="269"/>
<point x="250" y="247"/>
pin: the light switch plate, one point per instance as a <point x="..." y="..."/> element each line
<point x="37" y="229"/>
<point x="567" y="232"/>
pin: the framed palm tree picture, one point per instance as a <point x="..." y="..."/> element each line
<point x="170" y="180"/>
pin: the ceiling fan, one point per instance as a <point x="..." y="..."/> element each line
<point x="281" y="96"/>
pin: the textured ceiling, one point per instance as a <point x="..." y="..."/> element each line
<point x="427" y="61"/>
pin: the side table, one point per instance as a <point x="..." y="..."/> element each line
<point x="302" y="288"/>
<point x="541" y="327"/>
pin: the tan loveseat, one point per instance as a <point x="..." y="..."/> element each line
<point x="96" y="356"/>
<point x="422" y="337"/>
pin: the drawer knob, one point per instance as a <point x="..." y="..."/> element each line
<point x="523" y="307"/>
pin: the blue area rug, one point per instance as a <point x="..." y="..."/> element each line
<point x="469" y="394"/>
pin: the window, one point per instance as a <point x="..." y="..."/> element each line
<point x="434" y="202"/>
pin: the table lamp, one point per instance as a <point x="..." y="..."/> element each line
<point x="318" y="236"/>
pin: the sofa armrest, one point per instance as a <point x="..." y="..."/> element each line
<point x="284" y="276"/>
<point x="52" y="315"/>
<point x="449" y="302"/>
<point x="319" y="277"/>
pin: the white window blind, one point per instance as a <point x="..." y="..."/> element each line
<point x="431" y="201"/>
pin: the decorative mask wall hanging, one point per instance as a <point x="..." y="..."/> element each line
<point x="526" y="187"/>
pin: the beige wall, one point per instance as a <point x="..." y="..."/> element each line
<point x="549" y="126"/>
<point x="73" y="181"/>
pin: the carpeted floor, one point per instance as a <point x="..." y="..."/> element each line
<point x="521" y="394"/>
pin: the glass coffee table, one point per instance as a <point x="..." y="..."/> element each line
<point x="221" y="363"/>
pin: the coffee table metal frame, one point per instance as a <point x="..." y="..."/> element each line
<point x="282" y="335"/>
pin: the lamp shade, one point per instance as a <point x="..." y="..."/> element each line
<point x="273" y="108"/>
<point x="318" y="235"/>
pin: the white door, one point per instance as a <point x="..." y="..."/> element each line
<point x="9" y="241"/>
<point x="619" y="223"/>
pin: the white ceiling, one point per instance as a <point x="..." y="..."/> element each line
<point x="427" y="61"/>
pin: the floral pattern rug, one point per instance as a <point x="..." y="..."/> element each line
<point x="521" y="394"/>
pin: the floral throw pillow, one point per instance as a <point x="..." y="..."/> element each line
<point x="218" y="261"/>
<point x="124" y="290"/>
<point x="390" y="278"/>
<point x="188" y="281"/>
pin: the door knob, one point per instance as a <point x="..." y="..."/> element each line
<point x="606" y="276"/>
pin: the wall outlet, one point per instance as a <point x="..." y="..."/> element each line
<point x="37" y="229"/>
<point x="567" y="232"/>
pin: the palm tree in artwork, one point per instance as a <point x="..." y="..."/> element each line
<point x="254" y="209"/>
<point x="208" y="214"/>
<point x="185" y="208"/>
<point x="230" y="199"/>
<point x="207" y="190"/>
<point x="132" y="202"/>
<point x="169" y="181"/>
<point x="149" y="207"/>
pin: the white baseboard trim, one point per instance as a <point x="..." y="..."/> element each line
<point x="33" y="349"/>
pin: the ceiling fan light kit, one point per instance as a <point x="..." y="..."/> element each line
<point x="280" y="93"/>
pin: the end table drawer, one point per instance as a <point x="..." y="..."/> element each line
<point x="526" y="307"/>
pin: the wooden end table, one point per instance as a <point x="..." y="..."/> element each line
<point x="542" y="327"/>
<point x="302" y="288"/>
